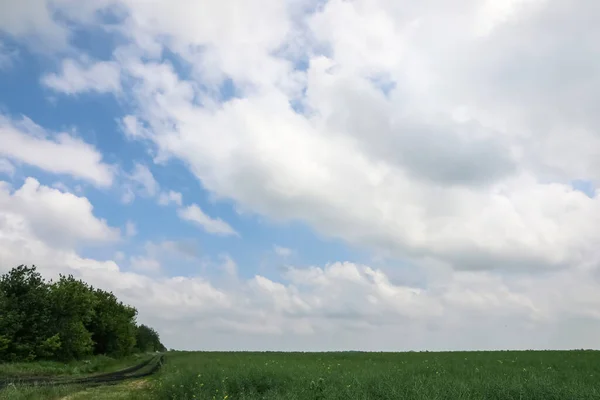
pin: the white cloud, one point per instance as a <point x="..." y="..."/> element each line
<point x="404" y="150"/>
<point x="35" y="23"/>
<point x="166" y="198"/>
<point x="282" y="251"/>
<point x="301" y="173"/>
<point x="77" y="77"/>
<point x="419" y="171"/>
<point x="450" y="310"/>
<point x="132" y="128"/>
<point x="24" y="141"/>
<point x="443" y="132"/>
<point x="32" y="19"/>
<point x="58" y="218"/>
<point x="61" y="186"/>
<point x="195" y="214"/>
<point x="64" y="188"/>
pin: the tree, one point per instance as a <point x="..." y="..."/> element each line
<point x="71" y="305"/>
<point x="64" y="320"/>
<point x="112" y="325"/>
<point x="24" y="313"/>
<point x="147" y="339"/>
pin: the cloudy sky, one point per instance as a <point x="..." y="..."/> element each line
<point x="311" y="174"/>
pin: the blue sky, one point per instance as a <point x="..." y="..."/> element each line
<point x="302" y="175"/>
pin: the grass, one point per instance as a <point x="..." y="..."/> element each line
<point x="130" y="390"/>
<point x="36" y="393"/>
<point x="95" y="364"/>
<point x="411" y="376"/>
<point x="527" y="375"/>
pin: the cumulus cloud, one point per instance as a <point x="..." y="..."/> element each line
<point x="398" y="146"/>
<point x="61" y="186"/>
<point x="298" y="309"/>
<point x="442" y="132"/>
<point x="388" y="153"/>
<point x="32" y="20"/>
<point x="132" y="128"/>
<point x="76" y="77"/>
<point x="194" y="214"/>
<point x="35" y="22"/>
<point x="58" y="218"/>
<point x="26" y="142"/>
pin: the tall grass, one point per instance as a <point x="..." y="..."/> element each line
<point x="36" y="393"/>
<point x="91" y="365"/>
<point x="418" y="376"/>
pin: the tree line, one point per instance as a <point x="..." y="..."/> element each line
<point x="65" y="319"/>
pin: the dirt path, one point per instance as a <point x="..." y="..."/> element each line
<point x="143" y="369"/>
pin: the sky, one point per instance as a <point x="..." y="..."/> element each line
<point x="311" y="174"/>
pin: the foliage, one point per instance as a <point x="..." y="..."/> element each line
<point x="50" y="347"/>
<point x="24" y="314"/>
<point x="112" y="325"/>
<point x="64" y="320"/>
<point x="72" y="307"/>
<point x="147" y="339"/>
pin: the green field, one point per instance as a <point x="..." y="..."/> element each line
<point x="452" y="376"/>
<point x="544" y="375"/>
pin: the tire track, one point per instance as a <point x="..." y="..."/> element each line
<point x="42" y="379"/>
<point x="106" y="378"/>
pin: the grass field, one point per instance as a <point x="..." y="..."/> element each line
<point x="548" y="375"/>
<point x="422" y="376"/>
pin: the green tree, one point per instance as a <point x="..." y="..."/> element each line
<point x="112" y="325"/>
<point x="24" y="312"/>
<point x="66" y="319"/>
<point x="147" y="339"/>
<point x="50" y="348"/>
<point x="71" y="304"/>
